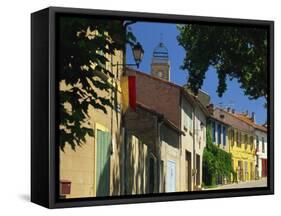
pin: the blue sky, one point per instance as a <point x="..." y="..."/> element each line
<point x="149" y="35"/>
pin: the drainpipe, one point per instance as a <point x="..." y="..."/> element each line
<point x="194" y="150"/>
<point x="159" y="124"/>
<point x="125" y="25"/>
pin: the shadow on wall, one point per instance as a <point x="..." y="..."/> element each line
<point x="117" y="167"/>
<point x="137" y="167"/>
<point x="129" y="174"/>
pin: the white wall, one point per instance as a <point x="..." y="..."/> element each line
<point x="186" y="141"/>
<point x="261" y="154"/>
<point x="15" y="107"/>
<point x="200" y="136"/>
<point x="261" y="135"/>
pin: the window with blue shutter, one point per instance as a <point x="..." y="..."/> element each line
<point x="224" y="135"/>
<point x="219" y="134"/>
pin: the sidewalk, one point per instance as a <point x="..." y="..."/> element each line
<point x="249" y="184"/>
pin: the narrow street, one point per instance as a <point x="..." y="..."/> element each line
<point x="255" y="183"/>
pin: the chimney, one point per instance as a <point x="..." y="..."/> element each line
<point x="253" y="117"/>
<point x="233" y="111"/>
<point x="228" y="109"/>
<point x="246" y="113"/>
<point x="210" y="108"/>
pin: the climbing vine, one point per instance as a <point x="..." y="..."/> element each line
<point x="216" y="162"/>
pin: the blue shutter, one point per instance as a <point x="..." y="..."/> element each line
<point x="219" y="134"/>
<point x="224" y="135"/>
<point x="102" y="163"/>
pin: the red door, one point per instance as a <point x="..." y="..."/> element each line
<point x="264" y="167"/>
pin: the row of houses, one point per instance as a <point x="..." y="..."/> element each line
<point x="238" y="134"/>
<point x="152" y="140"/>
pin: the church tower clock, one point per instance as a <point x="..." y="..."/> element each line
<point x="160" y="64"/>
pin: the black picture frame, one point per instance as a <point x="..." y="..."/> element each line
<point x="44" y="157"/>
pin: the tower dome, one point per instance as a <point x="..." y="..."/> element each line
<point x="160" y="53"/>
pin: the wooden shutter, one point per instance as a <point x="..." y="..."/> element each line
<point x="102" y="163"/>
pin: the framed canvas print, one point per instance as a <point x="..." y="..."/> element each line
<point x="138" y="107"/>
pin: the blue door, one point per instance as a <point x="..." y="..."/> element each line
<point x="171" y="176"/>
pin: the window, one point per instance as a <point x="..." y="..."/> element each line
<point x="262" y="143"/>
<point x="189" y="114"/>
<point x="187" y="120"/>
<point x="246" y="141"/>
<point x="252" y="142"/>
<point x="219" y="134"/>
<point x="257" y="143"/>
<point x="214" y="131"/>
<point x="224" y="135"/>
<point x="239" y="139"/>
<point x="232" y="136"/>
<point x="162" y="176"/>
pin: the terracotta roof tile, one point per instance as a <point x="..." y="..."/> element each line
<point x="250" y="122"/>
<point x="182" y="89"/>
<point x="247" y="120"/>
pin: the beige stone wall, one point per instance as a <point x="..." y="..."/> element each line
<point x="200" y="138"/>
<point x="169" y="152"/>
<point x="186" y="143"/>
<point x="137" y="165"/>
<point x="79" y="166"/>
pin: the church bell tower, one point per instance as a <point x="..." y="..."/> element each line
<point x="160" y="64"/>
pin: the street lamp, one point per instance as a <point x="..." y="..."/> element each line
<point x="138" y="53"/>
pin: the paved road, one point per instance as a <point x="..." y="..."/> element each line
<point x="249" y="184"/>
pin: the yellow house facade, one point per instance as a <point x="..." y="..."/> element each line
<point x="243" y="154"/>
<point x="240" y="143"/>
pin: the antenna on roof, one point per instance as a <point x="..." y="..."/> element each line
<point x="161" y="37"/>
<point x="226" y="106"/>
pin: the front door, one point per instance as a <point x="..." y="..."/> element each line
<point x="151" y="175"/>
<point x="171" y="176"/>
<point x="102" y="163"/>
<point x="198" y="173"/>
<point x="246" y="171"/>
<point x="240" y="171"/>
<point x="264" y="167"/>
<point x="251" y="171"/>
<point x="188" y="170"/>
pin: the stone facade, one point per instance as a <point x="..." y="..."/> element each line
<point x="240" y="143"/>
<point x="79" y="167"/>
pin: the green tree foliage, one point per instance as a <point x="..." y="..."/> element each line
<point x="83" y="45"/>
<point x="216" y="162"/>
<point x="235" y="52"/>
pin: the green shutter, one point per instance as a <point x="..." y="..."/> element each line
<point x="103" y="163"/>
